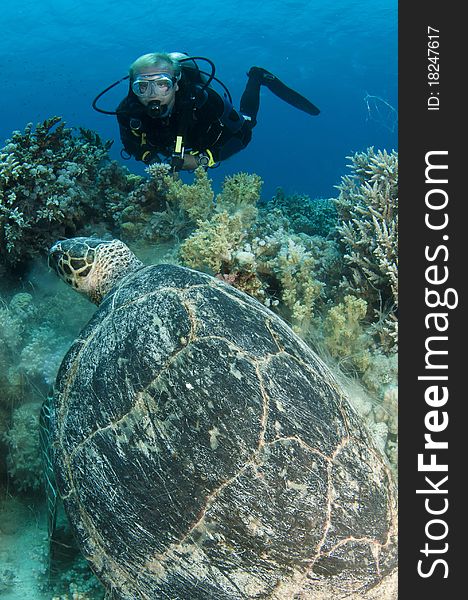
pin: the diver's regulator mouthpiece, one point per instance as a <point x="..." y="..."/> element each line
<point x="154" y="108"/>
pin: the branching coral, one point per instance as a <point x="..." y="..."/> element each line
<point x="294" y="268"/>
<point x="344" y="333"/>
<point x="196" y="199"/>
<point x="368" y="205"/>
<point x="213" y="244"/>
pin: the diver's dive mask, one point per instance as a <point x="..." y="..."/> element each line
<point x="153" y="85"/>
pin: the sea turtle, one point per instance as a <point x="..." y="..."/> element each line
<point x="203" y="451"/>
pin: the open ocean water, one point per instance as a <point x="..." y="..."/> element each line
<point x="57" y="55"/>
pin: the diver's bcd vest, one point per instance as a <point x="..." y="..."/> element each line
<point x="193" y="86"/>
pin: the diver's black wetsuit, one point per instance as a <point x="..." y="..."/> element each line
<point x="208" y="125"/>
<point x="213" y="125"/>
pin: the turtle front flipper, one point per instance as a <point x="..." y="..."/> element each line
<point x="49" y="476"/>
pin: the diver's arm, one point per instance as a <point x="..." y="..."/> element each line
<point x="227" y="131"/>
<point x="133" y="140"/>
<point x="132" y="144"/>
<point x="206" y="135"/>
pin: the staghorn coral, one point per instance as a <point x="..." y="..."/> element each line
<point x="367" y="206"/>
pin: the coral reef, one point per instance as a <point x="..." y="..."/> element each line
<point x="36" y="329"/>
<point x="327" y="266"/>
<point x="317" y="216"/>
<point x="368" y="227"/>
<point x="23" y="458"/>
<point x="146" y="212"/>
<point x="76" y="582"/>
<point x="212" y="245"/>
<point x="47" y="185"/>
<point x="344" y="334"/>
<point x="257" y="250"/>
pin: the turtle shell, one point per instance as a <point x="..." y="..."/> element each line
<point x="203" y="451"/>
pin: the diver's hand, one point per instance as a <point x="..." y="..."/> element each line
<point x="190" y="163"/>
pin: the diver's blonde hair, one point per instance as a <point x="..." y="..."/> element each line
<point x="157" y="60"/>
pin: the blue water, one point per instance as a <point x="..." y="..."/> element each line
<point x="57" y="55"/>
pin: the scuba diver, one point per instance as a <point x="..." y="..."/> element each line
<point x="172" y="114"/>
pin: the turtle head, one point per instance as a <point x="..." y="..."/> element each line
<point x="92" y="266"/>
